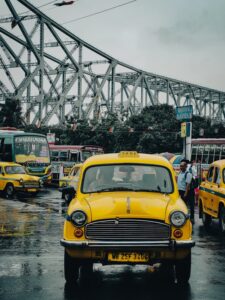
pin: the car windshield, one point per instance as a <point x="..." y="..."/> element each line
<point x="15" y="170"/>
<point x="124" y="177"/>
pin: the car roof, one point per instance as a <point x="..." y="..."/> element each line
<point x="77" y="165"/>
<point x="131" y="157"/>
<point x="219" y="163"/>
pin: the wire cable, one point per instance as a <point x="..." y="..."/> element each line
<point x="99" y="12"/>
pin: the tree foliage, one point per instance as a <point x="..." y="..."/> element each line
<point x="154" y="130"/>
<point x="11" y="114"/>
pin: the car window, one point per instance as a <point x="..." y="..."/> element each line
<point x="210" y="174"/>
<point x="15" y="170"/>
<point x="217" y="176"/>
<point x="74" y="171"/>
<point x="121" y="177"/>
<point x="223" y="175"/>
<point x="0" y="170"/>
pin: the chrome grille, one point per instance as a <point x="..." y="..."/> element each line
<point x="30" y="184"/>
<point x="127" y="229"/>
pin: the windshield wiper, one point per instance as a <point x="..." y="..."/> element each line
<point x="115" y="189"/>
<point x="147" y="190"/>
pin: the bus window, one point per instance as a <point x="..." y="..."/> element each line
<point x="86" y="154"/>
<point x="222" y="151"/>
<point x="6" y="152"/>
<point x="74" y="156"/>
<point x="217" y="152"/>
<point x="194" y="152"/>
<point x="205" y="157"/>
<point x="54" y="155"/>
<point x="63" y="156"/>
<point x="200" y="154"/>
<point x="211" y="154"/>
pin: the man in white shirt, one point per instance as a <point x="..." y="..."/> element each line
<point x="184" y="180"/>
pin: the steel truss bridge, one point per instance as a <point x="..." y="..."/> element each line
<point x="56" y="75"/>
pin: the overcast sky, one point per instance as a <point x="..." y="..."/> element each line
<point x="182" y="39"/>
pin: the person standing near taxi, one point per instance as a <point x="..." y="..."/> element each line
<point x="184" y="181"/>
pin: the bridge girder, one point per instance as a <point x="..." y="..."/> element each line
<point x="79" y="79"/>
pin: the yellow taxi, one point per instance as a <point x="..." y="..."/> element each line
<point x="212" y="195"/>
<point x="71" y="178"/>
<point x="127" y="210"/>
<point x="13" y="177"/>
<point x="69" y="181"/>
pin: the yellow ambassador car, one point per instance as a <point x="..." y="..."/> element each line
<point x="72" y="178"/>
<point x="127" y="210"/>
<point x="13" y="177"/>
<point x="212" y="195"/>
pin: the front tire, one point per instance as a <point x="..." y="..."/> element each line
<point x="86" y="271"/>
<point x="9" y="190"/>
<point x="206" y="219"/>
<point x="222" y="219"/>
<point x="183" y="270"/>
<point x="71" y="268"/>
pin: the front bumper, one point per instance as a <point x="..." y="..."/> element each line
<point x="120" y="245"/>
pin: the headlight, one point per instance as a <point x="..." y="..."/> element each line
<point x="78" y="218"/>
<point x="21" y="181"/>
<point x="178" y="218"/>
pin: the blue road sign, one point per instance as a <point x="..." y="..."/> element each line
<point x="184" y="113"/>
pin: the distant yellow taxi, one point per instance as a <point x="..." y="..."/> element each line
<point x="13" y="177"/>
<point x="127" y="210"/>
<point x="212" y="195"/>
<point x="69" y="181"/>
<point x="72" y="178"/>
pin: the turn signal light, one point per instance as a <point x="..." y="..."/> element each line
<point x="178" y="233"/>
<point x="78" y="232"/>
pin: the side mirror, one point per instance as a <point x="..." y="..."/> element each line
<point x="3" y="174"/>
<point x="68" y="193"/>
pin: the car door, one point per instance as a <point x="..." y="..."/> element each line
<point x="219" y="180"/>
<point x="215" y="194"/>
<point x="1" y="179"/>
<point x="206" y="189"/>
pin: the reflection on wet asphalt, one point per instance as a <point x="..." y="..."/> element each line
<point x="31" y="260"/>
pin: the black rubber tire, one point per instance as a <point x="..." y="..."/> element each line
<point x="183" y="269"/>
<point x="167" y="272"/>
<point x="71" y="268"/>
<point x="206" y="219"/>
<point x="200" y="210"/>
<point x="9" y="190"/>
<point x="222" y="219"/>
<point x="86" y="271"/>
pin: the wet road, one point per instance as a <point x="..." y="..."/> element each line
<point x="31" y="260"/>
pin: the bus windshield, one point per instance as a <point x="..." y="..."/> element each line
<point x="31" y="148"/>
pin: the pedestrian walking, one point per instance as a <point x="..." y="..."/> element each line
<point x="186" y="190"/>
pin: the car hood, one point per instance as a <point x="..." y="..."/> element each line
<point x="25" y="177"/>
<point x="128" y="205"/>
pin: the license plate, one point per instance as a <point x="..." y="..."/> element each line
<point x="31" y="190"/>
<point x="128" y="257"/>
